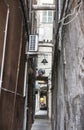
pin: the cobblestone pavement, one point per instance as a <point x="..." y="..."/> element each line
<point x="41" y="124"/>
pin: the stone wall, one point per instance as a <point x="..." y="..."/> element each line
<point x="73" y="45"/>
<point x="68" y="76"/>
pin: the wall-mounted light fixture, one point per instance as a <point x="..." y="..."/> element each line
<point x="44" y="61"/>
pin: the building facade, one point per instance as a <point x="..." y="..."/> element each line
<point x="44" y="60"/>
<point x="16" y="88"/>
<point x="68" y="93"/>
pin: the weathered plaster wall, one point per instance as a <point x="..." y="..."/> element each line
<point x="68" y="77"/>
<point x="73" y="42"/>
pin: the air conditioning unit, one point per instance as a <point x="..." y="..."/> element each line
<point x="33" y="43"/>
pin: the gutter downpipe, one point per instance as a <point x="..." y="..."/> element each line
<point x="60" y="29"/>
<point x="61" y="25"/>
<point x="59" y="87"/>
<point x="25" y="18"/>
<point x="25" y="92"/>
<point x="26" y="98"/>
<point x="4" y="49"/>
<point x="60" y="4"/>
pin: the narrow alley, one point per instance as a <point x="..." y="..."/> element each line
<point x="41" y="124"/>
<point x="41" y="121"/>
<point x="41" y="64"/>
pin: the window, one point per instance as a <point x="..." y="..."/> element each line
<point x="47" y="17"/>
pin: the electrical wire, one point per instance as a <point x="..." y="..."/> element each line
<point x="71" y="14"/>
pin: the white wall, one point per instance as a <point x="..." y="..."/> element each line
<point x="45" y="31"/>
<point x="37" y="106"/>
<point x="45" y="1"/>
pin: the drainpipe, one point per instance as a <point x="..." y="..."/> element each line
<point x="4" y="49"/>
<point x="60" y="29"/>
<point x="25" y="18"/>
<point x="26" y="96"/>
<point x="60" y="76"/>
<point x="25" y="93"/>
<point x="59" y="9"/>
<point x="60" y="5"/>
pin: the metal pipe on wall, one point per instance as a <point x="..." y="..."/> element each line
<point x="25" y="18"/>
<point x="4" y="49"/>
<point x="43" y="7"/>
<point x="60" y="5"/>
<point x="26" y="96"/>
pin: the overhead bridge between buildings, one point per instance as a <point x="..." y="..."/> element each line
<point x="43" y="7"/>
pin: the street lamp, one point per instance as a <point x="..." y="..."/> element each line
<point x="44" y="61"/>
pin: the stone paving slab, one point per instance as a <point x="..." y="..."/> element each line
<point x="41" y="124"/>
<point x="41" y="112"/>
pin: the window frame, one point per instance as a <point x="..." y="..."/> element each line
<point x="46" y="17"/>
